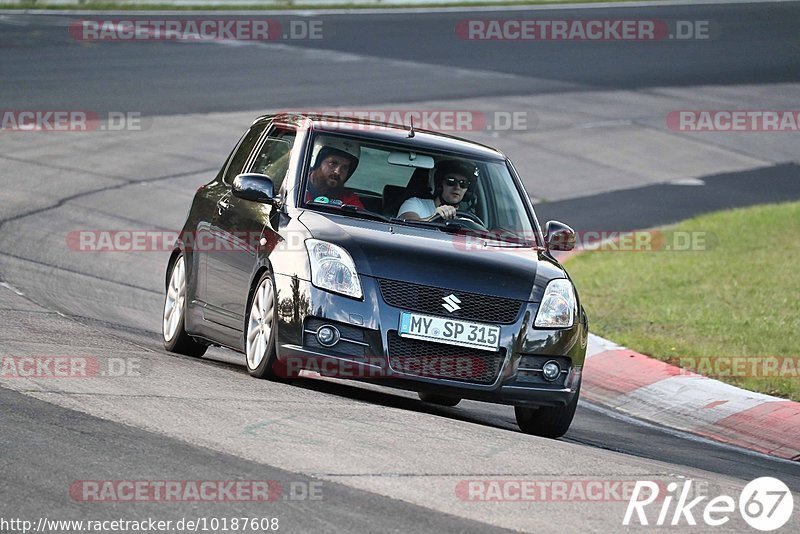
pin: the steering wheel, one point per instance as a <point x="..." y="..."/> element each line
<point x="463" y="215"/>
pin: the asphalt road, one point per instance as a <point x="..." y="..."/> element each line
<point x="52" y="448"/>
<point x="660" y="204"/>
<point x="371" y="59"/>
<point x="387" y="461"/>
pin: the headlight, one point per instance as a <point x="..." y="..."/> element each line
<point x="332" y="268"/>
<point x="557" y="309"/>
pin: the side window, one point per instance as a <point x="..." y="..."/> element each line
<point x="273" y="156"/>
<point x="239" y="159"/>
<point x="503" y="213"/>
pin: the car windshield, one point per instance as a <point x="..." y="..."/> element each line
<point x="403" y="185"/>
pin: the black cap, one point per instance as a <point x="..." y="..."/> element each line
<point x="453" y="166"/>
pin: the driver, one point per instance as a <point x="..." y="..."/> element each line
<point x="452" y="180"/>
<point x="333" y="162"/>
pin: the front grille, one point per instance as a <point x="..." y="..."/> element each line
<point x="436" y="360"/>
<point x="475" y="307"/>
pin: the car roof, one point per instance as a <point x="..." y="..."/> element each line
<point x="387" y="132"/>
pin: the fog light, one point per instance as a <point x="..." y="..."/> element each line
<point x="328" y="335"/>
<point x="551" y="370"/>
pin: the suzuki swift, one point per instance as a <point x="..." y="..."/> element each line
<point x="379" y="252"/>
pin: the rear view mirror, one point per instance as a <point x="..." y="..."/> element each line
<point x="559" y="236"/>
<point x="410" y="159"/>
<point x="254" y="187"/>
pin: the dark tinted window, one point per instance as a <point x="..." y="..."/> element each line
<point x="273" y="156"/>
<point x="239" y="159"/>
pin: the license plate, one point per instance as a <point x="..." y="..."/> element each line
<point x="449" y="331"/>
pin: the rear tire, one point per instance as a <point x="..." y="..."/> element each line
<point x="174" y="317"/>
<point x="441" y="400"/>
<point x="547" y="421"/>
<point x="259" y="335"/>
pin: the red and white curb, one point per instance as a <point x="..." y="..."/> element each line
<point x="655" y="391"/>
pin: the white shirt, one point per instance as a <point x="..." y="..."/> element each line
<point x="424" y="207"/>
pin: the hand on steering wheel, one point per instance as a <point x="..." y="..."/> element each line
<point x="463" y="215"/>
<point x="445" y="211"/>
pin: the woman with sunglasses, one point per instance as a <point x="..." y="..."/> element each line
<point x="452" y="180"/>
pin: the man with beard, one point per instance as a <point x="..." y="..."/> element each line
<point x="334" y="161"/>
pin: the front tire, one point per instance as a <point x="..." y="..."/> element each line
<point x="259" y="335"/>
<point x="174" y="317"/>
<point x="441" y="400"/>
<point x="547" y="421"/>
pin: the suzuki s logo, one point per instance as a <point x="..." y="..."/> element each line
<point x="451" y="303"/>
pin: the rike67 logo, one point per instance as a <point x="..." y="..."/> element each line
<point x="765" y="504"/>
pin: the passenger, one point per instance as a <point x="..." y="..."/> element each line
<point x="333" y="163"/>
<point x="451" y="182"/>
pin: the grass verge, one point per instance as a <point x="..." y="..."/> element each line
<point x="731" y="311"/>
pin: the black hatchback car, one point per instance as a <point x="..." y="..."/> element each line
<point x="376" y="252"/>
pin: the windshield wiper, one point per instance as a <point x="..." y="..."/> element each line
<point x="354" y="210"/>
<point x="445" y="226"/>
<point x="510" y="237"/>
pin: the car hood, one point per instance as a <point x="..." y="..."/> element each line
<point x="430" y="257"/>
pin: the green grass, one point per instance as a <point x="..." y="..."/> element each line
<point x="282" y="5"/>
<point x="741" y="297"/>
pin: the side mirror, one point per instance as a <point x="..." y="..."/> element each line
<point x="254" y="187"/>
<point x="559" y="236"/>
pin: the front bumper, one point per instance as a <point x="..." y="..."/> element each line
<point x="369" y="329"/>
